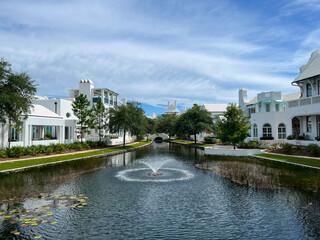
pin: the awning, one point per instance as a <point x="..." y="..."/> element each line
<point x="280" y="101"/>
<point x="267" y="101"/>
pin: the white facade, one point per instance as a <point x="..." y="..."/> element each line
<point x="267" y="112"/>
<point x="39" y="120"/>
<point x="303" y="114"/>
<point x="56" y="116"/>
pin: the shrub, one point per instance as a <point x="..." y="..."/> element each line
<point x="255" y="144"/>
<point x="287" y="147"/>
<point x="47" y="134"/>
<point x="3" y="153"/>
<point x="274" y="146"/>
<point x="41" y="149"/>
<point x="317" y="138"/>
<point x="299" y="147"/>
<point x="76" y="146"/>
<point x="290" y="137"/>
<point x="32" y="150"/>
<point x="49" y="150"/>
<point x="210" y="140"/>
<point x="59" y="148"/>
<point x="266" y="138"/>
<point x="14" y="152"/>
<point x="92" y="143"/>
<point x="85" y="145"/>
<point x="314" y="149"/>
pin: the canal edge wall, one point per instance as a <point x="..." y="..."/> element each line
<point x="69" y="160"/>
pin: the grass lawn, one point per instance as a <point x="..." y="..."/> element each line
<point x="32" y="162"/>
<point x="190" y="142"/>
<point x="305" y="161"/>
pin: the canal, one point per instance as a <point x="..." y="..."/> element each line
<point x="193" y="197"/>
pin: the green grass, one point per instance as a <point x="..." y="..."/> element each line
<point x="304" y="161"/>
<point x="38" y="161"/>
<point x="190" y="142"/>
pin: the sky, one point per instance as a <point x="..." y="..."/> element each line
<point x="154" y="51"/>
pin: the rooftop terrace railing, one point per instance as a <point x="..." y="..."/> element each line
<point x="304" y="101"/>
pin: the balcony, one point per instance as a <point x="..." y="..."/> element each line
<point x="304" y="102"/>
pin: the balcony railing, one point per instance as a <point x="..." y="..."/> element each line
<point x="304" y="101"/>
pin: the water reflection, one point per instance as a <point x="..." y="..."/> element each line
<point x="263" y="174"/>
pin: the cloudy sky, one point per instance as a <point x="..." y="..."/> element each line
<point x="153" y="51"/>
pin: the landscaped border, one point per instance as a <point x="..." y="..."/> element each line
<point x="20" y="165"/>
<point x="298" y="161"/>
<point x="188" y="143"/>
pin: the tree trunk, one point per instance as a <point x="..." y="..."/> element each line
<point x="195" y="138"/>
<point x="124" y="138"/>
<point x="234" y="146"/>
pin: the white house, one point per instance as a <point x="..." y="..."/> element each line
<point x="40" y="119"/>
<point x="303" y="114"/>
<point x="267" y="112"/>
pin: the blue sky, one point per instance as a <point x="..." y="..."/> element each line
<point x="157" y="51"/>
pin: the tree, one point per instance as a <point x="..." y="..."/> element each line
<point x="128" y="118"/>
<point x="194" y="121"/>
<point x="99" y="117"/>
<point x="17" y="91"/>
<point x="166" y="123"/>
<point x="233" y="126"/>
<point x="81" y="109"/>
<point x="150" y="126"/>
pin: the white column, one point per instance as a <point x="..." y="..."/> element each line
<point x="24" y="134"/>
<point x="102" y="96"/>
<point x="30" y="135"/>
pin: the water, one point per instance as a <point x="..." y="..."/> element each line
<point x="235" y="199"/>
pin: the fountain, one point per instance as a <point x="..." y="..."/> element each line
<point x="144" y="174"/>
<point x="154" y="166"/>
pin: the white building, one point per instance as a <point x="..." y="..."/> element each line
<point x="214" y="109"/>
<point x="40" y="119"/>
<point x="303" y="114"/>
<point x="56" y="116"/>
<point x="172" y="108"/>
<point x="267" y="112"/>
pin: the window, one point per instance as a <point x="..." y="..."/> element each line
<point x="106" y="100"/>
<point x="267" y="107"/>
<point x="277" y="107"/>
<point x="318" y="87"/>
<point x="266" y="130"/>
<point x="66" y="132"/>
<point x="14" y="134"/>
<point x="309" y="90"/>
<point x="251" y="110"/>
<point x="95" y="99"/>
<point x="309" y="125"/>
<point x="282" y="131"/>
<point x="255" y="130"/>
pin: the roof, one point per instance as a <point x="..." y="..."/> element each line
<point x="312" y="68"/>
<point x="41" y="111"/>
<point x="291" y="96"/>
<point x="216" y="107"/>
<point x="253" y="100"/>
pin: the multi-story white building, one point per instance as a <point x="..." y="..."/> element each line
<point x="303" y="114"/>
<point x="172" y="109"/>
<point x="56" y="116"/>
<point x="267" y="112"/>
<point x="276" y="115"/>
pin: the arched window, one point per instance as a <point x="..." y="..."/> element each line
<point x="282" y="131"/>
<point x="255" y="130"/>
<point x="309" y="90"/>
<point x="266" y="130"/>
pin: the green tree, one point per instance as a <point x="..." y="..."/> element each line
<point x="127" y="118"/>
<point x="17" y="91"/>
<point x="166" y="124"/>
<point x="81" y="109"/>
<point x="233" y="126"/>
<point x="194" y="121"/>
<point x="150" y="126"/>
<point x="99" y="117"/>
